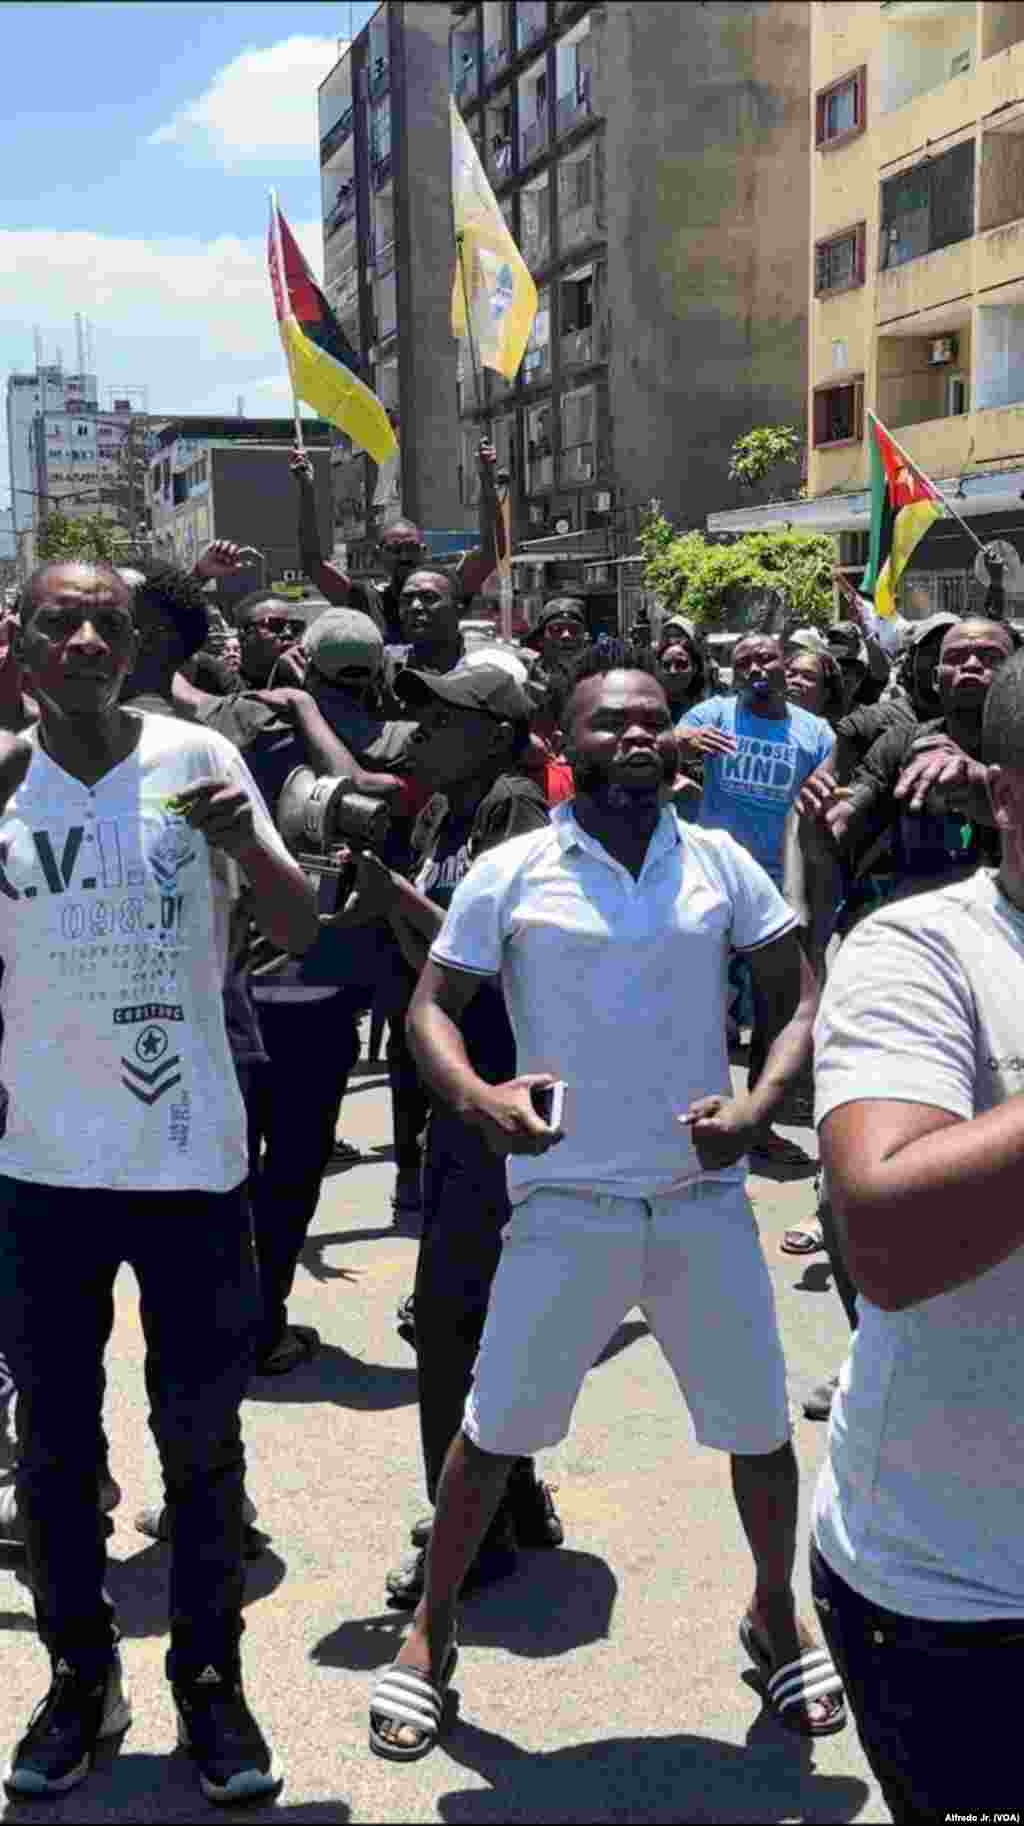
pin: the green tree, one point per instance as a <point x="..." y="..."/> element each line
<point x="714" y="583"/>
<point x="765" y="448"/>
<point x="64" y="536"/>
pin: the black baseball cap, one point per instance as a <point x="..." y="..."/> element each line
<point x="488" y="689"/>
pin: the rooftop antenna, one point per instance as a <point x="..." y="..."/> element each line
<point x="38" y="339"/>
<point x="80" y="341"/>
<point x="90" y="350"/>
<point x="241" y="405"/>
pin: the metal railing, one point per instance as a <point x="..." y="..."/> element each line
<point x="336" y="135"/>
<point x="533" y="139"/>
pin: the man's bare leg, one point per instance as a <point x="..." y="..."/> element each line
<point x="766" y="1489"/>
<point x="468" y="1495"/>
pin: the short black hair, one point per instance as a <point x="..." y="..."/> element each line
<point x="614" y="656"/>
<point x="178" y="598"/>
<point x="1002" y="730"/>
<point x="27" y="594"/>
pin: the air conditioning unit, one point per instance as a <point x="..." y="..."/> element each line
<point x="602" y="501"/>
<point x="943" y="350"/>
<point x="537" y="516"/>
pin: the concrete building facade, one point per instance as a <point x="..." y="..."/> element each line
<point x="46" y="390"/>
<point x="385" y="162"/>
<point x="228" y="478"/>
<point x="916" y="280"/>
<point x="651" y="162"/>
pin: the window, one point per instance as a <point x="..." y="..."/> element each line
<point x="377" y="54"/>
<point x="573" y="73"/>
<point x="578" y="435"/>
<point x="463" y="59"/>
<point x="533" y="112"/>
<point x="496" y="37"/>
<point x="577" y="302"/>
<point x="839" y="261"/>
<point x="531" y="22"/>
<point x="929" y="207"/>
<point x="535" y="220"/>
<point x="537" y="358"/>
<point x="957" y="394"/>
<point x="387" y="307"/>
<point x="840" y="111"/>
<point x="383" y="225"/>
<point x="469" y="471"/>
<point x="540" y="456"/>
<point x="385" y="383"/>
<point x="380" y="132"/>
<point x="498" y="135"/>
<point x="579" y="213"/>
<point x="839" y="414"/>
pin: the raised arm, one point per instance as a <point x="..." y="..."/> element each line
<point x="478" y="565"/>
<point x="334" y="584"/>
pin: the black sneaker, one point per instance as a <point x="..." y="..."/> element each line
<point x="220" y="1733"/>
<point x="56" y="1751"/>
<point x="495" y="1560"/>
<point x="531" y="1508"/>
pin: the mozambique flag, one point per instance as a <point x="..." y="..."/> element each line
<point x="502" y="298"/>
<point x="904" y="504"/>
<point x="323" y="365"/>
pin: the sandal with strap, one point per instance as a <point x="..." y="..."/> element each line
<point x="404" y="1696"/>
<point x="803" y="1242"/>
<point x="811" y="1676"/>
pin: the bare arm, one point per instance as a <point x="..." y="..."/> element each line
<point x="478" y="565"/>
<point x="502" y="1112"/>
<point x="326" y="751"/>
<point x="925" y="1201"/>
<point x="785" y="1000"/>
<point x="281" y="900"/>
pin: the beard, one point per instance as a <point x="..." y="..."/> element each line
<point x="623" y="796"/>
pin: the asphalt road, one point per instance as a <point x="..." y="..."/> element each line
<point x="603" y="1682"/>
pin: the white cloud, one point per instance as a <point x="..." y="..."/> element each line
<point x="260" y="109"/>
<point x="191" y="320"/>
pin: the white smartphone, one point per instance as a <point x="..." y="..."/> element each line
<point x="549" y="1102"/>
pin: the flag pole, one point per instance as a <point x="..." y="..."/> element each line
<point x="276" y="224"/>
<point x="918" y="471"/>
<point x="470" y="338"/>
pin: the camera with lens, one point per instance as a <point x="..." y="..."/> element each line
<point x="323" y="821"/>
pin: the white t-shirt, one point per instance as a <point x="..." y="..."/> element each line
<point x="921" y="1499"/>
<point x="114" y="921"/>
<point x="616" y="985"/>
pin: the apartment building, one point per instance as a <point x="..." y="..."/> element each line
<point x="651" y="162"/>
<point x="916" y="281"/>
<point x="385" y="163"/>
<point x="228" y="478"/>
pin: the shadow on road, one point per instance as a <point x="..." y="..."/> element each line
<point x="816" y="1277"/>
<point x="335" y="1376"/>
<point x="646" y="1779"/>
<point x="138" y="1587"/>
<point x="146" y="1788"/>
<point x="553" y="1603"/>
<point x="315" y="1244"/>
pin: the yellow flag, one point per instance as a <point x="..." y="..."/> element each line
<point x="502" y="301"/>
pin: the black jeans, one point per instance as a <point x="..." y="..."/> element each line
<point x="192" y="1255"/>
<point x="465" y="1209"/>
<point x="293" y="1103"/>
<point x="936" y="1704"/>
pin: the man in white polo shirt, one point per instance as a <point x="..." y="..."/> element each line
<point x="610" y="931"/>
<point x="918" y="1562"/>
<point x="124" y="839"/>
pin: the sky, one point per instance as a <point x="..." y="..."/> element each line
<point x="138" y="146"/>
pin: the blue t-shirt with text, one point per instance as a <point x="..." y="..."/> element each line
<point x="749" y="793"/>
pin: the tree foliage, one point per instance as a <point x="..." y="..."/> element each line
<point x="765" y="448"/>
<point x="713" y="584"/>
<point x="86" y="536"/>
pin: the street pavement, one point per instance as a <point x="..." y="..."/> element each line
<point x="602" y="1682"/>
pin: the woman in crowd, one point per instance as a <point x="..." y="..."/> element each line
<point x="687" y="673"/>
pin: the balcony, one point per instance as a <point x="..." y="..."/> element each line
<point x="573" y="109"/>
<point x="337" y="135"/>
<point x="923" y="44"/>
<point x="342" y="211"/>
<point x="531" y="23"/>
<point x="533" y="139"/>
<point x="924" y="378"/>
<point x="999" y="379"/>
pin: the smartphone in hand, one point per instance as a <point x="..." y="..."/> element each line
<point x="549" y="1102"/>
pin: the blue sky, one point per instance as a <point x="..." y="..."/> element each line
<point x="134" y="166"/>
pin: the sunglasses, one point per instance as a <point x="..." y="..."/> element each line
<point x="271" y="625"/>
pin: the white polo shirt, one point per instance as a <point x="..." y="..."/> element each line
<point x="114" y="920"/>
<point x="616" y="984"/>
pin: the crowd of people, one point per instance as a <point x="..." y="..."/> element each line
<point x="602" y="864"/>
